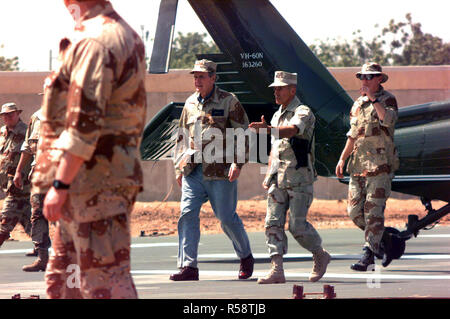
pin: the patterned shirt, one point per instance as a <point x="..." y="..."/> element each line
<point x="202" y="135"/>
<point x="374" y="151"/>
<point x="94" y="106"/>
<point x="283" y="160"/>
<point x="10" y="143"/>
<point x="32" y="135"/>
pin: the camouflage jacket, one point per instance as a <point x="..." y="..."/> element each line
<point x="374" y="150"/>
<point x="32" y="137"/>
<point x="94" y="106"/>
<point x="283" y="160"/>
<point x="10" y="143"/>
<point x="202" y="135"/>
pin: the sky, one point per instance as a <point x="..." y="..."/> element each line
<point x="29" y="29"/>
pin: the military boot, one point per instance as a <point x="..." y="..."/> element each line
<point x="321" y="260"/>
<point x="40" y="263"/>
<point x="33" y="253"/>
<point x="276" y="274"/>
<point x="367" y="259"/>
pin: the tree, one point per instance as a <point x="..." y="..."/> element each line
<point x="401" y="43"/>
<point x="9" y="64"/>
<point x="185" y="47"/>
<point x="416" y="47"/>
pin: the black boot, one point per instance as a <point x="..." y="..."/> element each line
<point x="368" y="258"/>
<point x="186" y="273"/>
<point x="246" y="268"/>
<point x="33" y="253"/>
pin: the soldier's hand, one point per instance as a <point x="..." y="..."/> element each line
<point x="265" y="182"/>
<point x="180" y="180"/>
<point x="340" y="169"/>
<point x="53" y="203"/>
<point x="365" y="91"/>
<point x="18" y="180"/>
<point x="259" y="125"/>
<point x="234" y="172"/>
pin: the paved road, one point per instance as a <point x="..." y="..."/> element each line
<point x="423" y="271"/>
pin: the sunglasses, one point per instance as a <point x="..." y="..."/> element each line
<point x="367" y="77"/>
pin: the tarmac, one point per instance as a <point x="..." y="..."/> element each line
<point x="423" y="272"/>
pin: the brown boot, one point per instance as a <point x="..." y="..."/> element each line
<point x="276" y="274"/>
<point x="40" y="263"/>
<point x="321" y="260"/>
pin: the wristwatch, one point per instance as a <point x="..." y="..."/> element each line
<point x="57" y="184"/>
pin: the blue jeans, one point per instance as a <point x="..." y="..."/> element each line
<point x="222" y="195"/>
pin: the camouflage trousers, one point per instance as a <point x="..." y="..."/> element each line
<point x="39" y="225"/>
<point x="91" y="260"/>
<point x="297" y="201"/>
<point x="16" y="209"/>
<point x="366" y="203"/>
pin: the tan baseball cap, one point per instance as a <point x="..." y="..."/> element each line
<point x="283" y="78"/>
<point x="373" y="68"/>
<point x="204" y="65"/>
<point x="9" y="107"/>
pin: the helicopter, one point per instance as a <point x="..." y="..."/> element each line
<point x="248" y="35"/>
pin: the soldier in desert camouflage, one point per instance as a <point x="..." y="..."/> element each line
<point x="370" y="143"/>
<point x="209" y="110"/>
<point x="88" y="159"/>
<point x="16" y="205"/>
<point x="39" y="225"/>
<point x="289" y="179"/>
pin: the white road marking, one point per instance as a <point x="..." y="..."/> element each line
<point x="334" y="256"/>
<point x="434" y="236"/>
<point x="14" y="251"/>
<point x="256" y="274"/>
<point x="147" y="245"/>
<point x="154" y="245"/>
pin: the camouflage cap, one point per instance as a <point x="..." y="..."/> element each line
<point x="9" y="107"/>
<point x="283" y="78"/>
<point x="204" y="65"/>
<point x="373" y="68"/>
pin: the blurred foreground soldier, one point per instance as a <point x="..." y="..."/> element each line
<point x="209" y="109"/>
<point x="88" y="159"/>
<point x="39" y="225"/>
<point x="290" y="179"/>
<point x="16" y="205"/>
<point x="370" y="142"/>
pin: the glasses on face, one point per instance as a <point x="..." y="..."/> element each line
<point x="8" y="115"/>
<point x="367" y="77"/>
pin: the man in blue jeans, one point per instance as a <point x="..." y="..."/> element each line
<point x="205" y="172"/>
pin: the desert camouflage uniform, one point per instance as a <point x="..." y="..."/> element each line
<point x="16" y="205"/>
<point x="94" y="107"/>
<point x="39" y="225"/>
<point x="372" y="165"/>
<point x="294" y="187"/>
<point x="205" y="120"/>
